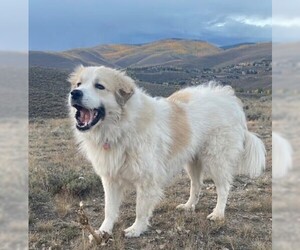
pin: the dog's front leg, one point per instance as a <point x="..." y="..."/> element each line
<point x="113" y="197"/>
<point x="147" y="198"/>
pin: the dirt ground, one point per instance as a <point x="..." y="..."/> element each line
<point x="60" y="178"/>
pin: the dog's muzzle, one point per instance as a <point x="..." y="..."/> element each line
<point x="76" y="94"/>
<point x="85" y="117"/>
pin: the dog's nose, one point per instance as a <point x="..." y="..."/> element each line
<point x="76" y="94"/>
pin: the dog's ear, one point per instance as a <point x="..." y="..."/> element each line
<point x="74" y="76"/>
<point x="122" y="96"/>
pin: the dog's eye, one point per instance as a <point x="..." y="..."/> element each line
<point x="99" y="86"/>
<point x="78" y="84"/>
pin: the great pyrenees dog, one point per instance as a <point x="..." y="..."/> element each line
<point x="136" y="141"/>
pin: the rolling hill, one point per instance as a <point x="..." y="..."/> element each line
<point x="172" y="61"/>
<point x="150" y="54"/>
<point x="65" y="60"/>
<point x="239" y="54"/>
<point x="171" y="52"/>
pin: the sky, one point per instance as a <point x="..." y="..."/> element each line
<point x="67" y="24"/>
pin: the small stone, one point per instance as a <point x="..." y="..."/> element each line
<point x="158" y="231"/>
<point x="255" y="218"/>
<point x="162" y="246"/>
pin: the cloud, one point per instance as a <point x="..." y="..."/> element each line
<point x="219" y="25"/>
<point x="254" y="21"/>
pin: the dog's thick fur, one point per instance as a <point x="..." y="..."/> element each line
<point x="143" y="141"/>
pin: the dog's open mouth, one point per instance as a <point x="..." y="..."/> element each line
<point x="86" y="118"/>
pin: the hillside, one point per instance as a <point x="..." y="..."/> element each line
<point x="150" y="54"/>
<point x="173" y="61"/>
<point x="240" y="54"/>
<point x="49" y="89"/>
<point x="65" y="60"/>
<point x="171" y="52"/>
<point x="166" y="51"/>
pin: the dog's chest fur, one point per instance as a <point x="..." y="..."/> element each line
<point x="119" y="161"/>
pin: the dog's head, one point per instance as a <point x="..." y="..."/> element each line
<point x="98" y="95"/>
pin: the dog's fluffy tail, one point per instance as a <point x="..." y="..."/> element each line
<point x="253" y="160"/>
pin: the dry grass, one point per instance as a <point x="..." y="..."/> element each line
<point x="60" y="177"/>
<point x="45" y="227"/>
<point x="63" y="204"/>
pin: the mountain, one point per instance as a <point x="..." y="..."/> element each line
<point x="150" y="54"/>
<point x="240" y="54"/>
<point x="164" y="51"/>
<point x="171" y="52"/>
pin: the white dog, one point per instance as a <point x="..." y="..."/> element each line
<point x="281" y="156"/>
<point x="134" y="140"/>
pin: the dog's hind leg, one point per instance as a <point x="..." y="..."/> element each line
<point x="147" y="197"/>
<point x="222" y="180"/>
<point x="219" y="210"/>
<point x="194" y="170"/>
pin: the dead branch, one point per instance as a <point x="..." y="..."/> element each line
<point x="84" y="221"/>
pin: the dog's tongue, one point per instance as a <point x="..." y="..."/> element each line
<point x="85" y="115"/>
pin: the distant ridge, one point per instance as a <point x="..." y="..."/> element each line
<point x="124" y="55"/>
<point x="235" y="45"/>
<point x="168" y="52"/>
<point x="238" y="54"/>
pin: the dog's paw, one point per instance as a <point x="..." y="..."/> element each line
<point x="135" y="231"/>
<point x="186" y="207"/>
<point x="215" y="215"/>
